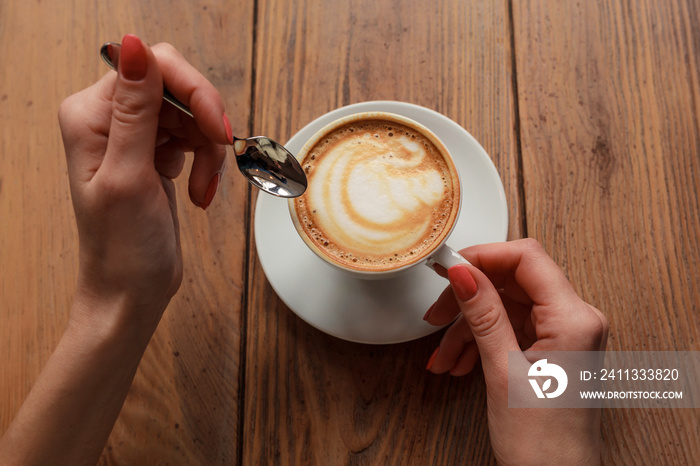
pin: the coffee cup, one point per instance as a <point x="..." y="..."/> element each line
<point x="383" y="196"/>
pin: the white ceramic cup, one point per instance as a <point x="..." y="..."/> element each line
<point x="438" y="253"/>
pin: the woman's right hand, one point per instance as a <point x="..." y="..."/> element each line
<point x="514" y="296"/>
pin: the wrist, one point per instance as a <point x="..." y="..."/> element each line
<point x="131" y="288"/>
<point x="114" y="317"/>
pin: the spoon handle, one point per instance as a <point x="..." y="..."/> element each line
<point x="110" y="55"/>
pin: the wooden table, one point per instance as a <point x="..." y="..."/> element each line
<point x="589" y="110"/>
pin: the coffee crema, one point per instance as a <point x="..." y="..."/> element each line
<point x="381" y="195"/>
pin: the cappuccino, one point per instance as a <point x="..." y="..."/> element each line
<point x="382" y="193"/>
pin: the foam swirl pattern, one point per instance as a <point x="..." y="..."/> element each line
<point x="380" y="195"/>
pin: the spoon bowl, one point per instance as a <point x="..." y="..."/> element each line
<point x="266" y="164"/>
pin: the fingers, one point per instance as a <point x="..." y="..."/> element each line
<point x="561" y="319"/>
<point x="523" y="269"/>
<point x="483" y="318"/>
<point x="210" y="161"/>
<point x="580" y="327"/>
<point x="135" y="107"/>
<point x="190" y="87"/>
<point x="457" y="352"/>
<point x="84" y="120"/>
<point x="444" y="310"/>
<point x="169" y="158"/>
<point x="120" y="125"/>
<point x="207" y="133"/>
<point x="513" y="296"/>
<point x="207" y="169"/>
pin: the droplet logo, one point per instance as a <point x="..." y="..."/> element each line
<point x="541" y="369"/>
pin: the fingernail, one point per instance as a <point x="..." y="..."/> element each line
<point x="110" y="52"/>
<point x="462" y="282"/>
<point x="229" y="131"/>
<point x="427" y="314"/>
<point x="211" y="190"/>
<point x="133" y="61"/>
<point x="432" y="359"/>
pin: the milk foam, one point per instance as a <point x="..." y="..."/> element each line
<point x="379" y="193"/>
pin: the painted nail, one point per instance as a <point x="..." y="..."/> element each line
<point x="462" y="282"/>
<point x="427" y="314"/>
<point x="133" y="61"/>
<point x="432" y="359"/>
<point x="227" y="128"/>
<point x="211" y="190"/>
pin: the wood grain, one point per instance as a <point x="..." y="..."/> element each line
<point x="313" y="399"/>
<point x="589" y="111"/>
<point x="608" y="98"/>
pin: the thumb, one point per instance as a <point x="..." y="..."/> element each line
<point x="135" y="106"/>
<point x="483" y="310"/>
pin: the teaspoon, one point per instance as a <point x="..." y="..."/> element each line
<point x="266" y="164"/>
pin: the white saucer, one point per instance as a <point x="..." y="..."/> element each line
<point x="385" y="311"/>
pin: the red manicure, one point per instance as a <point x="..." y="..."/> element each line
<point x="133" y="61"/>
<point x="462" y="282"/>
<point x="432" y="359"/>
<point x="211" y="190"/>
<point x="229" y="131"/>
<point x="427" y="314"/>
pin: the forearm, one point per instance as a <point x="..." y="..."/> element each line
<point x="70" y="411"/>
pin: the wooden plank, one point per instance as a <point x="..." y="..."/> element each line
<point x="183" y="407"/>
<point x="608" y="98"/>
<point x="314" y="399"/>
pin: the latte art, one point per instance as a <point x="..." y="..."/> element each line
<point x="380" y="195"/>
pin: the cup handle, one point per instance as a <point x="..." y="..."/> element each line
<point x="446" y="257"/>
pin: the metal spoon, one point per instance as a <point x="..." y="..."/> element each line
<point x="265" y="163"/>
